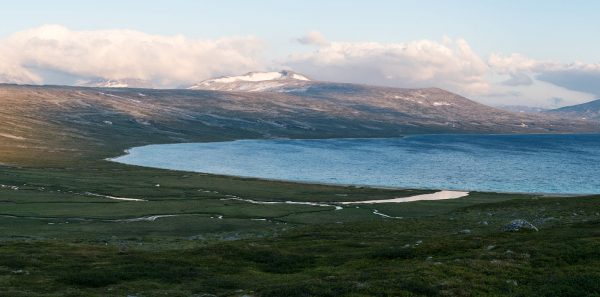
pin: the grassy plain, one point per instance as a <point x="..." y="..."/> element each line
<point x="56" y="240"/>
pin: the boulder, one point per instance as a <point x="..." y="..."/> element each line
<point x="518" y="225"/>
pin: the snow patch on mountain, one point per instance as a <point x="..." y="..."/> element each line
<point x="115" y="83"/>
<point x="259" y="76"/>
<point x="254" y="82"/>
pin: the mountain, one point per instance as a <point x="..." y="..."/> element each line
<point x="71" y="123"/>
<point x="116" y="83"/>
<point x="585" y="111"/>
<point x="255" y="82"/>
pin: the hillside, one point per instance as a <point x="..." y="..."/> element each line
<point x="585" y="111"/>
<point x="70" y="122"/>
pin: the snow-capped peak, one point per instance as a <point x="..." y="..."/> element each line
<point x="258" y="76"/>
<point x="253" y="81"/>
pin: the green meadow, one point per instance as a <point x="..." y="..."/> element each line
<point x="59" y="238"/>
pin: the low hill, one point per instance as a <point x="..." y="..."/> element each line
<point x="585" y="111"/>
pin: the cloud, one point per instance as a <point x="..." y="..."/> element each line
<point x="557" y="101"/>
<point x="514" y="63"/>
<point x="577" y="77"/>
<point x="313" y="38"/>
<point x="515" y="66"/>
<point x="518" y="79"/>
<point x="581" y="77"/>
<point x="448" y="64"/>
<point x="56" y="54"/>
<point x="124" y="54"/>
<point x="11" y="71"/>
<point x="537" y="94"/>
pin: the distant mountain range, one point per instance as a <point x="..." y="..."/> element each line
<point x="55" y="120"/>
<point x="589" y="111"/>
<point x="286" y="81"/>
<point x="585" y="111"/>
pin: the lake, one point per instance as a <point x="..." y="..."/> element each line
<point x="553" y="164"/>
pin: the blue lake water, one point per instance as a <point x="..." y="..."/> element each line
<point x="561" y="164"/>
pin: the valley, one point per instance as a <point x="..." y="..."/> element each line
<point x="299" y="148"/>
<point x="73" y="223"/>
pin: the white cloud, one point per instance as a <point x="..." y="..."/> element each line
<point x="515" y="66"/>
<point x="53" y="53"/>
<point x="536" y="94"/>
<point x="124" y="54"/>
<point x="11" y="71"/>
<point x="452" y="64"/>
<point x="313" y="38"/>
<point x="518" y="79"/>
<point x="448" y="64"/>
<point x="578" y="76"/>
<point x="514" y="63"/>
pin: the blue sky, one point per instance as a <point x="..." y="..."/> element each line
<point x="544" y="31"/>
<point x="547" y="29"/>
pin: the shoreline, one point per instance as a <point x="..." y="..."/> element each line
<point x="319" y="183"/>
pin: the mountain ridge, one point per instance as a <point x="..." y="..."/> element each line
<point x="585" y="111"/>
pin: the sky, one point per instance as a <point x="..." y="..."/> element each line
<point x="534" y="53"/>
